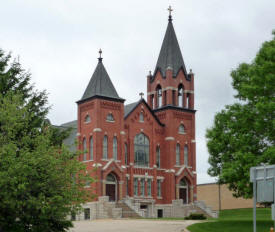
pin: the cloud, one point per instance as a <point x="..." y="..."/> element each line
<point x="58" y="42"/>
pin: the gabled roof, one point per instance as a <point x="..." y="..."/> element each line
<point x="70" y="140"/>
<point x="128" y="109"/>
<point x="100" y="85"/>
<point x="170" y="56"/>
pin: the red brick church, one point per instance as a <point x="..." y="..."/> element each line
<point x="144" y="152"/>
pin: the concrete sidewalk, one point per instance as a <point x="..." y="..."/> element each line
<point x="130" y="225"/>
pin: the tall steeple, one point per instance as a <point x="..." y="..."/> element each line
<point x="170" y="56"/>
<point x="100" y="84"/>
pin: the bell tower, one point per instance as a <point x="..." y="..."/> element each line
<point x="170" y="94"/>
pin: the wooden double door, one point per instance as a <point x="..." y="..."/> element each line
<point x="111" y="191"/>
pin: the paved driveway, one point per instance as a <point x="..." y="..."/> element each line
<point x="129" y="225"/>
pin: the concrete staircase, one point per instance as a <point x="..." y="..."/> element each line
<point x="127" y="212"/>
<point x="208" y="210"/>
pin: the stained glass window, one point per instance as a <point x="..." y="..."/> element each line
<point x="159" y="188"/>
<point x="84" y="150"/>
<point x="91" y="149"/>
<point x="178" y="154"/>
<point x="105" y="147"/>
<point x="158" y="156"/>
<point x="186" y="155"/>
<point x="149" y="187"/>
<point x="115" y="148"/>
<point x="181" y="129"/>
<point x="141" y="143"/>
<point x="110" y="118"/>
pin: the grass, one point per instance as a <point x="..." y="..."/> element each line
<point x="239" y="220"/>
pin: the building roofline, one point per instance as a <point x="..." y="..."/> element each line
<point x="101" y="97"/>
<point x="149" y="108"/>
<point x="171" y="107"/>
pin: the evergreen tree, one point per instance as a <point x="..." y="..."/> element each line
<point x="41" y="181"/>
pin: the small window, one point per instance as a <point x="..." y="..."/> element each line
<point x="149" y="187"/>
<point x="84" y="150"/>
<point x="159" y="188"/>
<point x="158" y="156"/>
<point x="178" y="154"/>
<point x="91" y="149"/>
<point x="87" y="118"/>
<point x="115" y="148"/>
<point x="87" y="214"/>
<point x="181" y="129"/>
<point x="135" y="186"/>
<point x="126" y="153"/>
<point x="141" y="117"/>
<point x="142" y="187"/>
<point x="186" y="155"/>
<point x="87" y="184"/>
<point x="110" y="118"/>
<point x="105" y="147"/>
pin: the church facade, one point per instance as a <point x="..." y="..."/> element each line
<point x="142" y="154"/>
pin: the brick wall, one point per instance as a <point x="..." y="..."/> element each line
<point x="209" y="193"/>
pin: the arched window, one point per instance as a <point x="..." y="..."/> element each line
<point x="105" y="147"/>
<point x="180" y="96"/>
<point x="141" y="143"/>
<point x="153" y="102"/>
<point x="91" y="149"/>
<point x="84" y="150"/>
<point x="110" y="118"/>
<point x="159" y="96"/>
<point x="87" y="118"/>
<point x="188" y="101"/>
<point x="181" y="129"/>
<point x="178" y="154"/>
<point x="141" y="117"/>
<point x="186" y="155"/>
<point x="115" y="148"/>
<point x="126" y="153"/>
<point x="158" y="157"/>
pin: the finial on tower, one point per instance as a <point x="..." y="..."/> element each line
<point x="100" y="52"/>
<point x="141" y="95"/>
<point x="170" y="13"/>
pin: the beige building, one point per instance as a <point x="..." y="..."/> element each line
<point x="220" y="197"/>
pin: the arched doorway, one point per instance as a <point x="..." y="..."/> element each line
<point x="111" y="187"/>
<point x="184" y="191"/>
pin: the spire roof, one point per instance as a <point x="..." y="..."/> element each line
<point x="100" y="84"/>
<point x="170" y="56"/>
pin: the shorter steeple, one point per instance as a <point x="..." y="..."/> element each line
<point x="170" y="56"/>
<point x="100" y="84"/>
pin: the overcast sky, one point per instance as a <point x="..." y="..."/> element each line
<point x="58" y="42"/>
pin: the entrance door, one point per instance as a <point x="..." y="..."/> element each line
<point x="183" y="191"/>
<point x="111" y="191"/>
<point x="183" y="195"/>
<point x="111" y="187"/>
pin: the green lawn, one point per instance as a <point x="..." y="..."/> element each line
<point x="239" y="220"/>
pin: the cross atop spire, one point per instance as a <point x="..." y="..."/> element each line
<point x="100" y="52"/>
<point x="170" y="13"/>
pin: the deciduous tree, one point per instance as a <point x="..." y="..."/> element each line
<point x="243" y="134"/>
